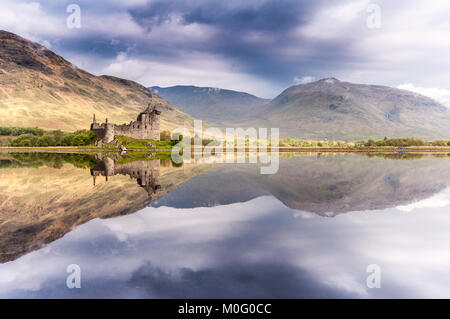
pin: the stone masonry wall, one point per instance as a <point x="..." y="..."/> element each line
<point x="145" y="127"/>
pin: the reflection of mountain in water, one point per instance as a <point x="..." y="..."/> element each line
<point x="43" y="196"/>
<point x="323" y="184"/>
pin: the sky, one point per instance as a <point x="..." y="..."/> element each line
<point x="257" y="46"/>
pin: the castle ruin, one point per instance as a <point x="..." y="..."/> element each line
<point x="145" y="172"/>
<point x="145" y="127"/>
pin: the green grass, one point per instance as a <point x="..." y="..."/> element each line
<point x="142" y="156"/>
<point x="132" y="143"/>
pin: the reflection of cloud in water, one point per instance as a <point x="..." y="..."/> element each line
<point x="441" y="199"/>
<point x="253" y="249"/>
<point x="259" y="280"/>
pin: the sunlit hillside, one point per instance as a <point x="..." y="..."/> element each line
<point x="40" y="88"/>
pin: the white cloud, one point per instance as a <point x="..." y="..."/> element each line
<point x="438" y="94"/>
<point x="192" y="68"/>
<point x="335" y="21"/>
<point x="30" y="20"/>
<point x="409" y="48"/>
<point x="119" y="24"/>
<point x="333" y="251"/>
<point x="439" y="200"/>
<point x="303" y="79"/>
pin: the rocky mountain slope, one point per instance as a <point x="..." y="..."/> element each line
<point x="40" y="88"/>
<point x="334" y="109"/>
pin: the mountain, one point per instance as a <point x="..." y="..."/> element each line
<point x="40" y="88"/>
<point x="334" y="109"/>
<point x="217" y="106"/>
<point x="328" y="108"/>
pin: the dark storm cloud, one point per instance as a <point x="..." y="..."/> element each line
<point x="235" y="22"/>
<point x="251" y="41"/>
<point x="270" y="16"/>
<point x="259" y="46"/>
<point x="259" y="280"/>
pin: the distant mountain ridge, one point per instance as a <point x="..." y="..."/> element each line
<point x="40" y="88"/>
<point x="215" y="105"/>
<point x="335" y="109"/>
<point x="325" y="109"/>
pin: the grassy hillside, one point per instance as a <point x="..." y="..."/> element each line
<point x="40" y="88"/>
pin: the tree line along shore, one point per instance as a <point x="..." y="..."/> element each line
<point x="37" y="137"/>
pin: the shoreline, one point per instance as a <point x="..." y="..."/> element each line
<point x="70" y="149"/>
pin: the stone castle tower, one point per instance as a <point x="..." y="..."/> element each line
<point x="145" y="127"/>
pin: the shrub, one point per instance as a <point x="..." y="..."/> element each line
<point x="439" y="143"/>
<point x="408" y="141"/>
<point x="17" y="131"/>
<point x="370" y="143"/>
<point x="55" y="138"/>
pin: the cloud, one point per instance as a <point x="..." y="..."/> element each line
<point x="251" y="249"/>
<point x="187" y="69"/>
<point x="30" y="20"/>
<point x="439" y="200"/>
<point x="303" y="79"/>
<point x="258" y="280"/>
<point x="262" y="42"/>
<point x="440" y="95"/>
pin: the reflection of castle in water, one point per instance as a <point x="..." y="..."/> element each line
<point x="146" y="172"/>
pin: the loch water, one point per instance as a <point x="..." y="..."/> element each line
<point x="324" y="226"/>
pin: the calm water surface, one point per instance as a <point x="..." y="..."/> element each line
<point x="146" y="228"/>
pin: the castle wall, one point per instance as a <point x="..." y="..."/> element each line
<point x="146" y="127"/>
<point x="109" y="133"/>
<point x="98" y="129"/>
<point x="104" y="131"/>
<point x="139" y="130"/>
